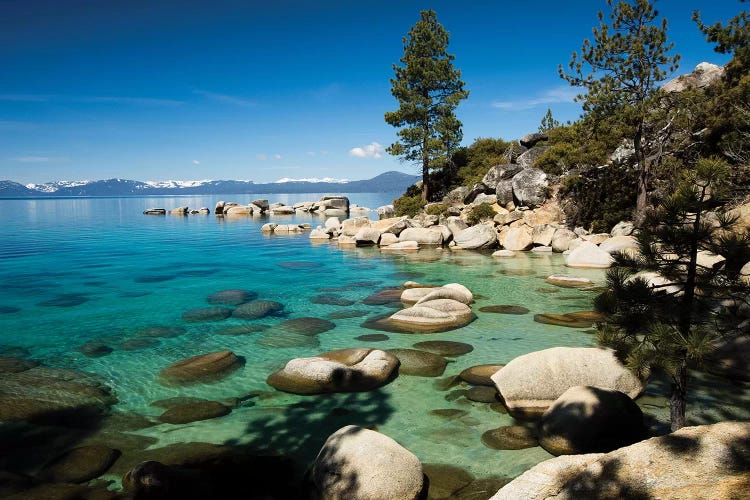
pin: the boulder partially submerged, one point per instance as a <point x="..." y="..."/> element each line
<point x="531" y="383"/>
<point x="360" y="464"/>
<point x="344" y="370"/>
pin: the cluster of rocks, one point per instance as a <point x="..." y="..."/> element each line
<point x="331" y="206"/>
<point x="177" y="211"/>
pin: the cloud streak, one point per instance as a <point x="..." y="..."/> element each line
<point x="551" y="96"/>
<point x="141" y="101"/>
<point x="372" y="150"/>
<point x="36" y="159"/>
<point x="226" y="99"/>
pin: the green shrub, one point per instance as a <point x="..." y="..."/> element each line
<point x="576" y="146"/>
<point x="436" y="209"/>
<point x="600" y="198"/>
<point x="408" y="205"/>
<point x="480" y="212"/>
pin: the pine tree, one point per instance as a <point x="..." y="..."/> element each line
<point x="625" y="62"/>
<point x="663" y="303"/>
<point x="548" y="122"/>
<point x="428" y="89"/>
<point x="732" y="38"/>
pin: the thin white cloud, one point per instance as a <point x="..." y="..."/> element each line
<point x="551" y="96"/>
<point x="196" y="162"/>
<point x="261" y="157"/>
<point x="141" y="101"/>
<point x="372" y="150"/>
<point x="310" y="154"/>
<point x="36" y="159"/>
<point x="277" y="156"/>
<point x="25" y="97"/>
<point x="226" y="99"/>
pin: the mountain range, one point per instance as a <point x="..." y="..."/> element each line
<point x="386" y="182"/>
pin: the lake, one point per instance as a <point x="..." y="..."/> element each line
<point x="73" y="271"/>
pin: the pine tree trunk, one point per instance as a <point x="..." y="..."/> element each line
<point x="425" y="172"/>
<point x="643" y="176"/>
<point x="678" y="399"/>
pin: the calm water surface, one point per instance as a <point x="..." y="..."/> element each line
<point x="79" y="270"/>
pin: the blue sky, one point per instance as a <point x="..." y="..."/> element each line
<point x="230" y="89"/>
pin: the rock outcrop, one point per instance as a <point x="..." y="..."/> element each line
<point x="708" y="461"/>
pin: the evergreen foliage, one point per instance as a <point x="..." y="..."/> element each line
<point x="672" y="318"/>
<point x="548" y="122"/>
<point x="624" y="64"/>
<point x="428" y="89"/>
<point x="731" y="38"/>
<point x="480" y="212"/>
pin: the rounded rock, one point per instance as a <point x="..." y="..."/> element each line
<point x="202" y="368"/>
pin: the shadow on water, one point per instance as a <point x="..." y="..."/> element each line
<point x="300" y="429"/>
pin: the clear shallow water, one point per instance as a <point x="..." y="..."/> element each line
<point x="97" y="269"/>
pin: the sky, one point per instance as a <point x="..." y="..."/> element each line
<point x="230" y="89"/>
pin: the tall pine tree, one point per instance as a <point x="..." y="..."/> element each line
<point x="665" y="302"/>
<point x="428" y="89"/>
<point x="620" y="70"/>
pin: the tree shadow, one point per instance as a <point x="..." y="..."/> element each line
<point x="635" y="475"/>
<point x="299" y="429"/>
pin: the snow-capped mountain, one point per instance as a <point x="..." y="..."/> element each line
<point x="387" y="182"/>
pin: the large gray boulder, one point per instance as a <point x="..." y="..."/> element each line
<point x="422" y="236"/>
<point x="531" y="140"/>
<point x="531" y="383"/>
<point x="351" y="227"/>
<point x="543" y="234"/>
<point x="702" y="76"/>
<point x="707" y="461"/>
<point x="334" y="202"/>
<point x="455" y="224"/>
<point x="476" y="237"/>
<point x="588" y="420"/>
<point x="344" y="370"/>
<point x="623" y="228"/>
<point x="530" y="186"/>
<point x="518" y="239"/>
<point x="504" y="191"/>
<point x="588" y="255"/>
<point x="476" y="189"/>
<point x="456" y="195"/>
<point x="499" y="173"/>
<point x="392" y="225"/>
<point x="529" y="157"/>
<point x="562" y="238"/>
<point x="360" y="464"/>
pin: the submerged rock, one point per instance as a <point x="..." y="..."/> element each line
<point x="159" y="332"/>
<point x="480" y="374"/>
<point x="505" y="309"/>
<point x="344" y="370"/>
<point x="332" y="300"/>
<point x="206" y="314"/>
<point x="202" y="368"/>
<point x="257" y="309"/>
<point x="80" y="464"/>
<point x="194" y="411"/>
<point x="231" y="297"/>
<point x="444" y="347"/>
<point x="44" y="395"/>
<point x="419" y="363"/>
<point x="306" y="326"/>
<point x="510" y="437"/>
<point x="360" y="464"/>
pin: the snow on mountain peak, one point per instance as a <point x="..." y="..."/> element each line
<point x="312" y="179"/>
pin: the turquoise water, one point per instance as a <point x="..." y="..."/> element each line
<point x="79" y="270"/>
